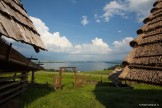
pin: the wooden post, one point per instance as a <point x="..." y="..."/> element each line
<point x="32" y="77"/>
<point x="101" y="78"/>
<point x="125" y="81"/>
<point x="74" y="75"/>
<point x="9" y="51"/>
<point x="23" y="78"/>
<point x="60" y="77"/>
<point x="15" y="77"/>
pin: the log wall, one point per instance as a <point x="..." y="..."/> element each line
<point x="12" y="84"/>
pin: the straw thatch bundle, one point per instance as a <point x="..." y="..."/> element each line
<point x="149" y="49"/>
<point x="148" y="60"/>
<point x="150" y="39"/>
<point x="143" y="75"/>
<point x="144" y="62"/>
<point x="137" y="41"/>
<point x="129" y="58"/>
<point x="125" y="72"/>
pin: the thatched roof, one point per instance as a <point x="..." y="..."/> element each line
<point x="144" y="62"/>
<point x="15" y="24"/>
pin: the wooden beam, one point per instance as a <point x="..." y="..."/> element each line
<point x="11" y="90"/>
<point x="11" y="96"/>
<point x="1" y="73"/>
<point x="67" y="67"/>
<point x="13" y="77"/>
<point x="9" y="51"/>
<point x="11" y="84"/>
<point x="32" y="58"/>
<point x="33" y="77"/>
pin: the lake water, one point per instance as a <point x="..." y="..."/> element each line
<point x="81" y="66"/>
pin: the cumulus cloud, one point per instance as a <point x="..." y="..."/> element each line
<point x="57" y="43"/>
<point x="97" y="46"/>
<point x="95" y="49"/>
<point x="53" y="41"/>
<point x="123" y="43"/>
<point x="84" y="21"/>
<point x="124" y="7"/>
<point x="113" y="8"/>
<point x="122" y="46"/>
<point x="140" y="7"/>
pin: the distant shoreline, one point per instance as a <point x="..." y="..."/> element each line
<point x="81" y="66"/>
<point x="119" y="62"/>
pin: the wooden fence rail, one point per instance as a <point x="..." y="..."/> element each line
<point x="11" y="86"/>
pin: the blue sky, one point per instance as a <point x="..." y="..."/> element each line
<point x="81" y="30"/>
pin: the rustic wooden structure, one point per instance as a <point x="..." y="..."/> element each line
<point x="14" y="67"/>
<point x="16" y="24"/>
<point x="144" y="62"/>
<point x="58" y="80"/>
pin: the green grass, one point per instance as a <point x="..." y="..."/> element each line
<point x="88" y="96"/>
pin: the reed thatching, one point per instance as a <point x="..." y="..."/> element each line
<point x="144" y="62"/>
<point x="15" y="24"/>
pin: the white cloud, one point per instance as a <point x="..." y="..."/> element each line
<point x="100" y="51"/>
<point x="122" y="44"/>
<point x="140" y="7"/>
<point x="53" y="41"/>
<point x="97" y="49"/>
<point x="124" y="7"/>
<point x="84" y="21"/>
<point x="97" y="46"/>
<point x="122" y="47"/>
<point x="111" y="9"/>
<point x="57" y="43"/>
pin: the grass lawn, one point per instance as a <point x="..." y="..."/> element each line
<point x="89" y="95"/>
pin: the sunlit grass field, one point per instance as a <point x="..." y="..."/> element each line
<point x="42" y="95"/>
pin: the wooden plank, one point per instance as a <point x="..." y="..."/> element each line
<point x="9" y="51"/>
<point x="1" y="73"/>
<point x="32" y="58"/>
<point x="15" y="7"/>
<point x="33" y="77"/>
<point x="8" y="26"/>
<point x="2" y="30"/>
<point x="12" y="90"/>
<point x="12" y="84"/>
<point x="11" y="96"/>
<point x="9" y="78"/>
<point x="16" y="58"/>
